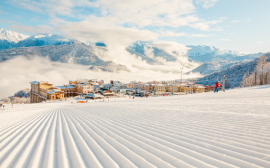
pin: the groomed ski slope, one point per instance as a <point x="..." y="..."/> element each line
<point x="230" y="129"/>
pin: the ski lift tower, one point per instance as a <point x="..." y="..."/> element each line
<point x="181" y="74"/>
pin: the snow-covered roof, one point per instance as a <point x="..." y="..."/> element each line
<point x="158" y="85"/>
<point x="60" y="87"/>
<point x="52" y="91"/>
<point x="34" y="82"/>
<point x="84" y="83"/>
<point x="65" y="87"/>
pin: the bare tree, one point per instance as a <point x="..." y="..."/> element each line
<point x="261" y="64"/>
<point x="244" y="81"/>
<point x="6" y="100"/>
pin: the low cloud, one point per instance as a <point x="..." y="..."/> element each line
<point x="32" y="29"/>
<point x="235" y="21"/>
<point x="18" y="72"/>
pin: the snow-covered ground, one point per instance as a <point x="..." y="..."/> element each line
<point x="230" y="129"/>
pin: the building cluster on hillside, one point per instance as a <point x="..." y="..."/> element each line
<point x="92" y="88"/>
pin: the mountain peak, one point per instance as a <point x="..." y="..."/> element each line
<point x="11" y="36"/>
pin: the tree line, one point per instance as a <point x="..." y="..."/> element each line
<point x="260" y="75"/>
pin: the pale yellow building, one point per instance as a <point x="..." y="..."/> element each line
<point x="171" y="88"/>
<point x="159" y="89"/>
<point x="43" y="91"/>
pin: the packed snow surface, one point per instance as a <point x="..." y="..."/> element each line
<point x="230" y="129"/>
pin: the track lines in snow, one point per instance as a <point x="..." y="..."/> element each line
<point x="128" y="134"/>
<point x="189" y="156"/>
<point x="262" y="162"/>
<point x="146" y="155"/>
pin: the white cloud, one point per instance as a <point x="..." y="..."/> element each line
<point x="223" y="18"/>
<point x="110" y="34"/>
<point x="201" y="35"/>
<point x="206" y="3"/>
<point x="32" y="29"/>
<point x="225" y="40"/>
<point x="139" y="13"/>
<point x="171" y="34"/>
<point x="205" y="25"/>
<point x="235" y="21"/>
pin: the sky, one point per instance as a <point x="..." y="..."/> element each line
<point x="240" y="25"/>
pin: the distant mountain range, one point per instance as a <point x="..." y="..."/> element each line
<point x="61" y="49"/>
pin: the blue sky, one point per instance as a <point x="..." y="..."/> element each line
<point x="241" y="25"/>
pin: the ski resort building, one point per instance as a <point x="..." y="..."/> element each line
<point x="43" y="91"/>
<point x="69" y="90"/>
<point x="84" y="86"/>
<point x="159" y="89"/>
<point x="171" y="88"/>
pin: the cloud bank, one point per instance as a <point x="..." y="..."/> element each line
<point x="18" y="72"/>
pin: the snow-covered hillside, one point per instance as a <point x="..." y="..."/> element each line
<point x="73" y="53"/>
<point x="234" y="73"/>
<point x="223" y="130"/>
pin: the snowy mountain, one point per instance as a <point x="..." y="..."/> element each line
<point x="200" y="53"/>
<point x="49" y="39"/>
<point x="11" y="36"/>
<point x="200" y="50"/>
<point x="72" y="53"/>
<point x="43" y="39"/>
<point x="65" y="50"/>
<point x="8" y="39"/>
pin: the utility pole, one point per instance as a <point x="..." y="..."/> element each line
<point x="223" y="86"/>
<point x="181" y="73"/>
